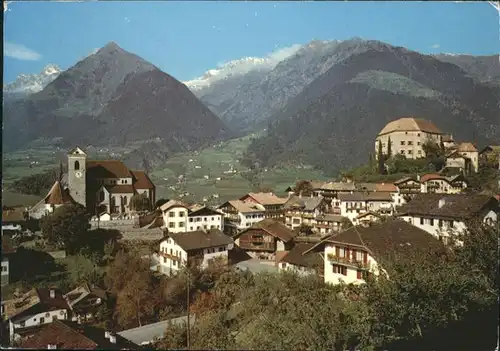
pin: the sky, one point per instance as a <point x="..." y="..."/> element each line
<point x="185" y="39"/>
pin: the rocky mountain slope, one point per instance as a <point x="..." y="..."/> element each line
<point x="26" y="84"/>
<point x="112" y="98"/>
<point x="333" y="121"/>
<point x="484" y="68"/>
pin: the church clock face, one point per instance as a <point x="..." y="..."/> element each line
<point x="78" y="174"/>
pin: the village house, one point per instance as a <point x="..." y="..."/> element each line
<point x="330" y="190"/>
<point x="445" y="215"/>
<point x="408" y="187"/>
<point x="272" y="204"/>
<point x="301" y="210"/>
<point x="407" y="136"/>
<point x="295" y="261"/>
<point x="440" y="184"/>
<point x="105" y="186"/>
<point x="366" y="219"/>
<point x="84" y="302"/>
<point x="469" y="151"/>
<point x="448" y="141"/>
<point x="7" y="251"/>
<point x="352" y="205"/>
<point x="265" y="239"/>
<point x="56" y="197"/>
<point x="34" y="308"/>
<point x="328" y="223"/>
<point x="239" y="215"/>
<point x="68" y="335"/>
<point x="490" y="155"/>
<point x="353" y="254"/>
<point x="201" y="246"/>
<point x="13" y="220"/>
<point x="179" y="217"/>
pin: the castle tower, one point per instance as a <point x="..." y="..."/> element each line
<point x="77" y="166"/>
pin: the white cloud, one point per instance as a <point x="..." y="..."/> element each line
<point x="242" y="66"/>
<point x="20" y="52"/>
<point x="126" y="19"/>
<point x="435" y="46"/>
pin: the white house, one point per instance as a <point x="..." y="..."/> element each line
<point x="295" y="260"/>
<point x="36" y="307"/>
<point x="442" y="215"/>
<point x="239" y="215"/>
<point x="439" y="184"/>
<point x="353" y="254"/>
<point x="205" y="218"/>
<point x="178" y="249"/>
<point x="175" y="214"/>
<point x="352" y="205"/>
<point x="301" y="210"/>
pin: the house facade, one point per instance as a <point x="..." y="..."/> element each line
<point x="265" y="238"/>
<point x="304" y="210"/>
<point x="328" y="223"/>
<point x="439" y="184"/>
<point x="85" y="301"/>
<point x="272" y="204"/>
<point x="205" y="218"/>
<point x="7" y="252"/>
<point x="295" y="260"/>
<point x="105" y="186"/>
<point x="407" y="136"/>
<point x="355" y="204"/>
<point x="240" y="215"/>
<point x="445" y="215"/>
<point x="200" y="246"/>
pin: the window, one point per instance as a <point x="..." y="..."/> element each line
<point x="359" y="274"/>
<point x="418" y="134"/>
<point x="204" y="227"/>
<point x="171" y="214"/>
<point x="171" y="252"/>
<point x="181" y="213"/>
<point x="452" y="224"/>
<point x="419" y="152"/>
<point x="22" y="324"/>
<point x="181" y="224"/>
<point x="77" y="165"/>
<point x="410" y="142"/>
<point x="431" y="221"/>
<point x="42" y="320"/>
<point x="341" y="252"/>
<point x="359" y="256"/>
<point x="212" y="227"/>
<point x="402" y="142"/>
<point x="124" y="200"/>
<point x="190" y="228"/>
<point x="421" y="221"/>
<point x="221" y="249"/>
<point x="174" y="262"/>
<point x="410" y="152"/>
<point x="191" y="220"/>
<point x="171" y="225"/>
<point x="402" y="152"/>
<point x="339" y="270"/>
<point x="204" y="219"/>
<point x="54" y="318"/>
<point x="164" y="260"/>
<point x="440" y="223"/>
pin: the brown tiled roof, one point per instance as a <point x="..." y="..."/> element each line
<point x="142" y="180"/>
<point x="466" y="147"/>
<point x="274" y="228"/>
<point x="200" y="239"/>
<point x="330" y="217"/>
<point x="369" y="213"/>
<point x="456" y="154"/>
<point x="372" y="196"/>
<point x="447" y="138"/>
<point x="304" y="203"/>
<point x="35" y="297"/>
<point x="456" y="206"/>
<point x="244" y="207"/>
<point x="58" y="302"/>
<point x="120" y="189"/>
<point x="338" y="186"/>
<point x="60" y="334"/>
<point x="404" y="180"/>
<point x="366" y="186"/>
<point x="265" y="198"/>
<point x="173" y="203"/>
<point x="387" y="187"/>
<point x="430" y="176"/>
<point x="297" y="257"/>
<point x="58" y="196"/>
<point x="204" y="211"/>
<point x="12" y="216"/>
<point x="383" y="239"/>
<point x="410" y="124"/>
<point x="108" y="169"/>
<point x="70" y="335"/>
<point x="16" y="306"/>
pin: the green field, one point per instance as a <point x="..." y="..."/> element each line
<point x="220" y="163"/>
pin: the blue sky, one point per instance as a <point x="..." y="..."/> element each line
<point x="187" y="38"/>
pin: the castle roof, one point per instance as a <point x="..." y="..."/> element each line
<point x="410" y="124"/>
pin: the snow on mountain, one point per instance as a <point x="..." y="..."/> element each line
<point x="240" y="67"/>
<point x="33" y="83"/>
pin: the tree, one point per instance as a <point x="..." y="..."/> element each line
<point x="380" y="159"/>
<point x="36" y="184"/>
<point x="305" y="229"/>
<point x="389" y="148"/>
<point x="66" y="227"/>
<point x="160" y="202"/>
<point x="345" y="223"/>
<point x="303" y="187"/>
<point x="82" y="270"/>
<point x="140" y="202"/>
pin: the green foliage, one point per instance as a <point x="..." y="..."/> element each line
<point x="67" y="227"/>
<point x="81" y="270"/>
<point x="380" y="159"/>
<point x="303" y="187"/>
<point x="36" y="184"/>
<point x="140" y="202"/>
<point x="160" y="202"/>
<point x="486" y="178"/>
<point x="399" y="164"/>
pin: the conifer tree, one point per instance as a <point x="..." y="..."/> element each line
<point x="380" y="158"/>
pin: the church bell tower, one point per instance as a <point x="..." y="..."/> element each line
<point x="77" y="164"/>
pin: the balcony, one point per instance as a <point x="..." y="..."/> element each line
<point x="350" y="262"/>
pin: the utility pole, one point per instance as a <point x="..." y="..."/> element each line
<point x="188" y="310"/>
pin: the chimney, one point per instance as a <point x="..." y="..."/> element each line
<point x="418" y="177"/>
<point x="112" y="339"/>
<point x="442" y="202"/>
<point x="52" y="294"/>
<point x="107" y="334"/>
<point x="51" y="347"/>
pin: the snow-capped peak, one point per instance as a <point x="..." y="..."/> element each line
<point x="240" y="67"/>
<point x="33" y="83"/>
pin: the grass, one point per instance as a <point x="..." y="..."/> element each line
<point x="213" y="162"/>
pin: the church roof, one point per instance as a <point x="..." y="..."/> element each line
<point x="58" y="196"/>
<point x="120" y="189"/>
<point x="108" y="169"/>
<point x="141" y="180"/>
<point x="410" y="124"/>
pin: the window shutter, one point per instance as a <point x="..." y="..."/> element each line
<point x="358" y="274"/>
<point x="337" y="251"/>
<point x="365" y="257"/>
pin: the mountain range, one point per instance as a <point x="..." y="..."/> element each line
<point x="322" y="103"/>
<point x="113" y="98"/>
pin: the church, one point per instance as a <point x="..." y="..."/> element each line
<point x="102" y="186"/>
